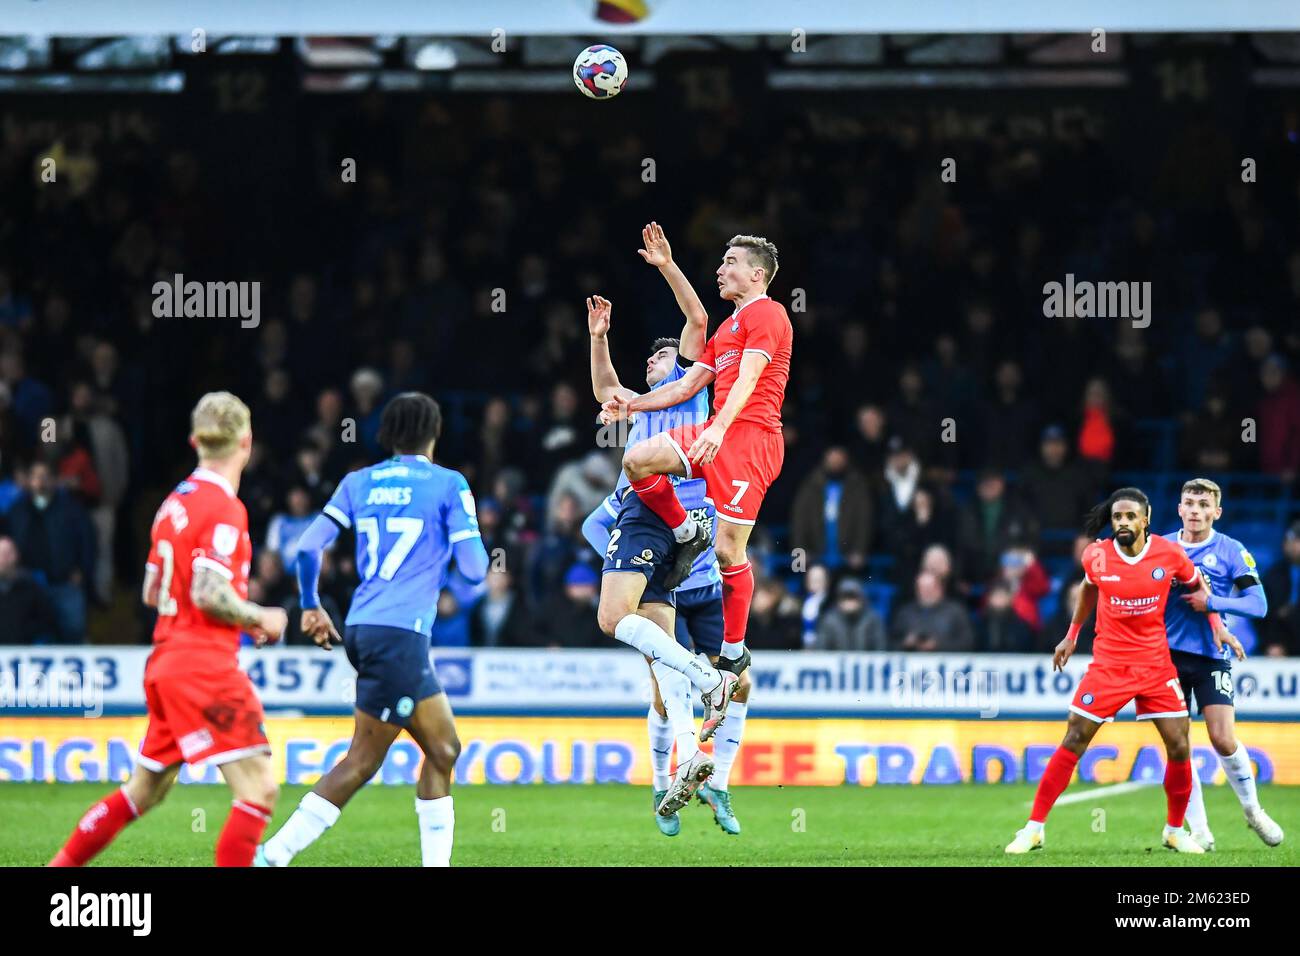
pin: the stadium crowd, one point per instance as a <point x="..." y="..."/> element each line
<point x="943" y="438"/>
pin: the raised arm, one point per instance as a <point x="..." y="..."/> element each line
<point x="604" y="380"/>
<point x="658" y="253"/>
<point x="696" y="378"/>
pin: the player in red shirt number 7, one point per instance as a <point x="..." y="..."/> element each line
<point x="1127" y="579"/>
<point x="738" y="452"/>
<point x="202" y="707"/>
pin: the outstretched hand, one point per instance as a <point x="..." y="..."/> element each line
<point x="657" y="252"/>
<point x="598" y="312"/>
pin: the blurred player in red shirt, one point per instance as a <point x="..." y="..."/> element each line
<point x="202" y="707"/>
<point x="1127" y="579"/>
<point x="738" y="452"/>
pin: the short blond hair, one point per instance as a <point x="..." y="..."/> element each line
<point x="217" y="424"/>
<point x="761" y="252"/>
<point x="1203" y="486"/>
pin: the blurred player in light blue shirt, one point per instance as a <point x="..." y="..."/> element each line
<point x="411" y="518"/>
<point x="1205" y="667"/>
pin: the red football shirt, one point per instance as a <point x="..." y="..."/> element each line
<point x="761" y="326"/>
<point x="200" y="524"/>
<point x="1132" y="593"/>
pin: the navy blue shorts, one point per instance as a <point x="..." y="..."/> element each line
<point x="393" y="670"/>
<point x="699" y="619"/>
<point x="641" y="542"/>
<point x="1206" y="677"/>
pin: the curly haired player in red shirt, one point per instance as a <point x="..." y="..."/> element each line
<point x="202" y="707"/>
<point x="738" y="452"/>
<point x="1127" y="579"/>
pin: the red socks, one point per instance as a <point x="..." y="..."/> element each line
<point x="97" y="828"/>
<point x="1053" y="783"/>
<point x="657" y="492"/>
<point x="1178" y="790"/>
<point x="243" y="830"/>
<point x="737" y="592"/>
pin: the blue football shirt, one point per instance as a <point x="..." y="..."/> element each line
<point x="1223" y="561"/>
<point x="407" y="512"/>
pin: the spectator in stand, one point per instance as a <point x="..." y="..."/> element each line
<point x="500" y="618"/>
<point x="1097" y="438"/>
<point x="932" y="622"/>
<point x="926" y="523"/>
<point x="869" y="444"/>
<point x="57" y="541"/>
<point x="588" y="481"/>
<point x="568" y="616"/>
<point x="278" y="587"/>
<point x="1055" y="491"/>
<point x="817" y="583"/>
<point x="989" y="525"/>
<point x="902" y="476"/>
<point x="26" y="616"/>
<point x="1059" y="624"/>
<point x="937" y="560"/>
<point x="110" y="461"/>
<point x="367" y="388"/>
<point x="832" y="514"/>
<point x="913" y="416"/>
<point x="1009" y="420"/>
<point x="1282" y="585"/>
<point x="493" y="446"/>
<point x="1279" y="421"/>
<point x="773" y="619"/>
<point x="999" y="629"/>
<point x="287" y="526"/>
<point x="565" y="430"/>
<point x="1202" y="355"/>
<point x="30" y="401"/>
<point x="559" y="548"/>
<point x="76" y="469"/>
<point x="1211" y="438"/>
<point x="1028" y="583"/>
<point x="850" y="624"/>
<point x="451" y="627"/>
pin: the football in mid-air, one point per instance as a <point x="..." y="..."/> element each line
<point x="600" y="72"/>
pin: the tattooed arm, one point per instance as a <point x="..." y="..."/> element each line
<point x="215" y="596"/>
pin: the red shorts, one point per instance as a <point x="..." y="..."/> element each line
<point x="211" y="716"/>
<point x="1107" y="688"/>
<point x="747" y="463"/>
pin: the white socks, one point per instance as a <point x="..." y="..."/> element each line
<point x="684" y="531"/>
<point x="655" y="643"/>
<point x="1241" y="777"/>
<point x="1196" y="816"/>
<point x="660" y="731"/>
<point x="313" y="817"/>
<point x="726" y="744"/>
<point x="732" y="650"/>
<point x="676" y="693"/>
<point x="437" y="824"/>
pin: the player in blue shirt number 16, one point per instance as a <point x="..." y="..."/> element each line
<point x="1205" y="671"/>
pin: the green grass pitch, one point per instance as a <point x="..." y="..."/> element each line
<point x="612" y="825"/>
